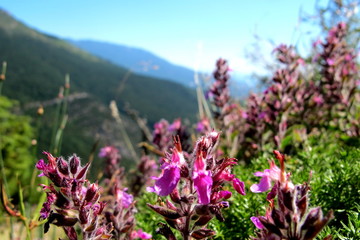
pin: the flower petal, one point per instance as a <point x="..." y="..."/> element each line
<point x="264" y="185"/>
<point x="203" y="184"/>
<point x="257" y="222"/>
<point x="166" y="183"/>
<point x="239" y="186"/>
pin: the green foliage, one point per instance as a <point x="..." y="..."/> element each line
<point x="237" y="223"/>
<point x="332" y="166"/>
<point x="338" y="187"/>
<point x="350" y="229"/>
<point x="146" y="219"/>
<point x="15" y="144"/>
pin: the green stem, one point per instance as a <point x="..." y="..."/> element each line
<point x="56" y="122"/>
<point x="59" y="135"/>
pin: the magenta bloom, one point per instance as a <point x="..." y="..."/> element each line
<point x="123" y="197"/>
<point x="202" y="178"/>
<point x="257" y="222"/>
<point x="203" y="183"/>
<point x="269" y="175"/>
<point x="140" y="234"/>
<point x="239" y="186"/>
<point x="170" y="175"/>
<point x="108" y="152"/>
<point x="167" y="182"/>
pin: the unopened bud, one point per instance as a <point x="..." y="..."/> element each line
<point x="62" y="166"/>
<point x="74" y="164"/>
<point x="91" y="192"/>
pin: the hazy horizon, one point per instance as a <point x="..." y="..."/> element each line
<point x="189" y="35"/>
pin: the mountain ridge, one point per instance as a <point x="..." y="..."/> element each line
<point x="139" y="60"/>
<point x="37" y="64"/>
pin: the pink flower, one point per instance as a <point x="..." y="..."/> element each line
<point x="203" y="126"/>
<point x="123" y="197"/>
<point x="140" y="234"/>
<point x="202" y="178"/>
<point x="257" y="222"/>
<point x="318" y="99"/>
<point x="203" y="183"/>
<point x="239" y="186"/>
<point x="170" y="175"/>
<point x="269" y="175"/>
<point x="330" y="61"/>
<point x="176" y="125"/>
<point x="166" y="183"/>
<point x="107" y="151"/>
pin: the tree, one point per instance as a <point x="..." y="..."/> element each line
<point x="15" y="145"/>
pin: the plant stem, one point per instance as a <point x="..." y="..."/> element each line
<point x="116" y="115"/>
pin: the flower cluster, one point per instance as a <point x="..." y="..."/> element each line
<point x="227" y="113"/>
<point x="295" y="103"/>
<point x="195" y="187"/>
<point x="288" y="216"/>
<point x="112" y="160"/>
<point x="72" y="199"/>
<point x="163" y="133"/>
<point x="219" y="91"/>
<point x="339" y="75"/>
<point x="120" y="206"/>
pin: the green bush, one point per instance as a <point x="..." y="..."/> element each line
<point x="15" y="145"/>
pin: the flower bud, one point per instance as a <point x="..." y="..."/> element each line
<point x="62" y="166"/>
<point x="91" y="192"/>
<point x="74" y="164"/>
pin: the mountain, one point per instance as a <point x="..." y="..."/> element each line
<point x="37" y="64"/>
<point x="146" y="63"/>
<point x="138" y="61"/>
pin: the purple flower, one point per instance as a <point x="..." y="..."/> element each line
<point x="203" y="183"/>
<point x="175" y="126"/>
<point x="140" y="234"/>
<point x="107" y="151"/>
<point x="170" y="175"/>
<point x="257" y="222"/>
<point x="123" y="197"/>
<point x="168" y="180"/>
<point x="269" y="175"/>
<point x="239" y="186"/>
<point x="45" y="211"/>
<point x="41" y="165"/>
<point x="203" y="126"/>
<point x="330" y="61"/>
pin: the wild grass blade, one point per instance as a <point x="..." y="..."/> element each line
<point x="116" y="115"/>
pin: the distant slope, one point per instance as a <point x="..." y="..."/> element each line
<point x="37" y="64"/>
<point x="138" y="60"/>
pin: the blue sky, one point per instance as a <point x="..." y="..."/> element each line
<point x="192" y="33"/>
